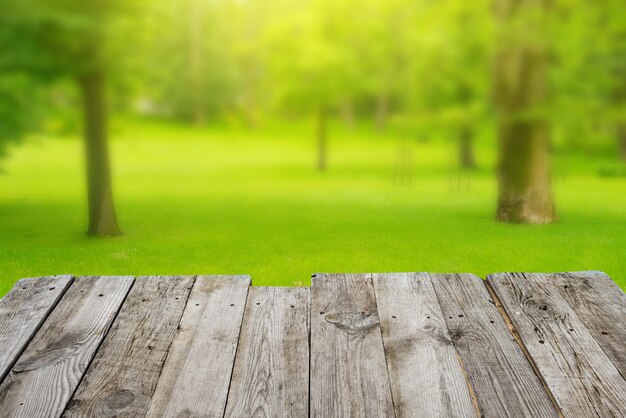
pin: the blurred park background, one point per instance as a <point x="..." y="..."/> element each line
<point x="279" y="138"/>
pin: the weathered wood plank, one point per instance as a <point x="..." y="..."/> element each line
<point x="124" y="373"/>
<point x="425" y="374"/>
<point x="582" y="378"/>
<point x="271" y="373"/>
<point x="194" y="381"/>
<point x="348" y="371"/>
<point x="601" y="306"/>
<point x="47" y="373"/>
<point x="503" y="381"/>
<point x="22" y="311"/>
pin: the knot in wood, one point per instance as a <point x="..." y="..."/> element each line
<point x="353" y="322"/>
<point x="120" y="400"/>
<point x="46" y="358"/>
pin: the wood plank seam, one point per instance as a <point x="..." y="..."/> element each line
<point x="468" y="383"/>
<point x="559" y="334"/>
<point x="49" y="370"/>
<point x="177" y="328"/>
<point x="518" y="340"/>
<point x="198" y="369"/>
<point x="382" y="340"/>
<point x="36" y="329"/>
<point x="502" y="378"/>
<point x="310" y="327"/>
<point x="104" y="335"/>
<point x="230" y="381"/>
<point x="603" y="348"/>
<point x="347" y="361"/>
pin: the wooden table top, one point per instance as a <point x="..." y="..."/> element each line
<point x="351" y="345"/>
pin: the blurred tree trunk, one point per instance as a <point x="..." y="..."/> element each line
<point x="102" y="218"/>
<point x="621" y="135"/>
<point x="347" y="113"/>
<point x="382" y="111"/>
<point x="466" y="133"/>
<point x="321" y="139"/>
<point x="520" y="88"/>
<point x="466" y="147"/>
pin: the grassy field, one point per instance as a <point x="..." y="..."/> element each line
<point x="228" y="201"/>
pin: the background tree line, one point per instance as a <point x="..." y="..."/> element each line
<point x="543" y="74"/>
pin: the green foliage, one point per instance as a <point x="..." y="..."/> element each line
<point x="198" y="60"/>
<point x="18" y="108"/>
<point x="44" y="43"/>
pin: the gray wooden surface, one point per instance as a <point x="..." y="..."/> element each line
<point x="47" y="373"/>
<point x="271" y="374"/>
<point x="502" y="379"/>
<point x="425" y="374"/>
<point x="123" y="375"/>
<point x="353" y="345"/>
<point x="601" y="306"/>
<point x="582" y="378"/>
<point x="23" y="311"/>
<point x="196" y="376"/>
<point x="348" y="368"/>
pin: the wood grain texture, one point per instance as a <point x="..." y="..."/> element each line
<point x="195" y="379"/>
<point x="348" y="370"/>
<point x="582" y="378"/>
<point x="425" y="374"/>
<point x="22" y="311"/>
<point x="503" y="381"/>
<point x="48" y="372"/>
<point x="601" y="306"/>
<point x="271" y="373"/>
<point x="124" y="373"/>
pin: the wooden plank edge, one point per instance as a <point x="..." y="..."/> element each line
<point x="104" y="335"/>
<point x="243" y="314"/>
<point x="193" y="282"/>
<point x="468" y="383"/>
<point x="520" y="343"/>
<point x="195" y="277"/>
<point x="382" y="342"/>
<point x="43" y="320"/>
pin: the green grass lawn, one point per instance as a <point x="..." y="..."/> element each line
<point x="228" y="201"/>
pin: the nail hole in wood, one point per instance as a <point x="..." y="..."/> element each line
<point x="461" y="316"/>
<point x="258" y="303"/>
<point x="52" y="288"/>
<point x="175" y="298"/>
<point x="604" y="333"/>
<point x="492" y="321"/>
<point x="571" y="329"/>
<point x="449" y="317"/>
<point x="393" y="316"/>
<point x="143" y="300"/>
<point x="292" y="306"/>
<point x="541" y="341"/>
<point x="232" y="304"/>
<point x="100" y="295"/>
<point x="428" y="317"/>
<point x="197" y="304"/>
<point x="322" y="313"/>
